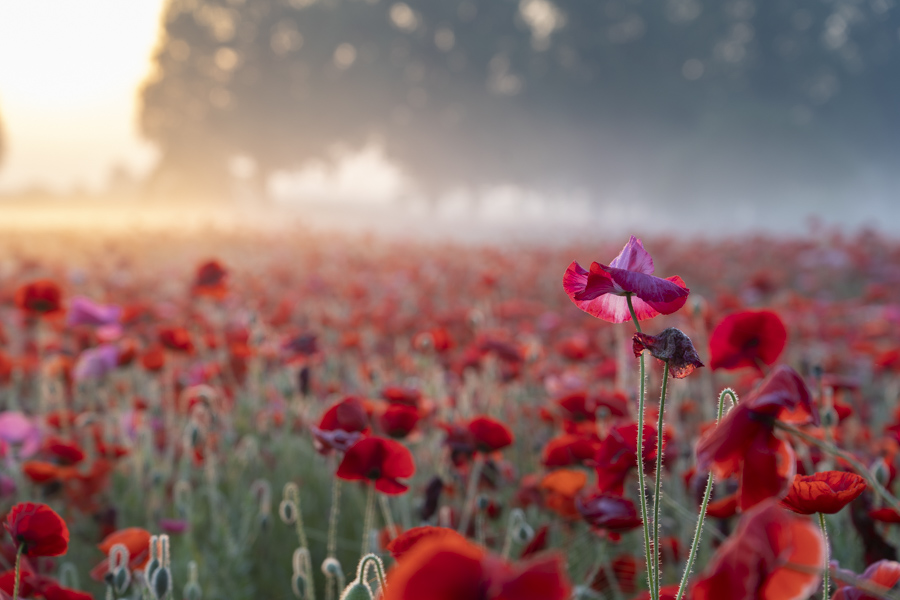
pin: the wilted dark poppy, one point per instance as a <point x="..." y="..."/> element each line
<point x="37" y="530"/>
<point x="602" y="291"/>
<point x="826" y="492"/>
<point x="379" y="460"/>
<point x="42" y="297"/>
<point x="746" y="339"/>
<point x="454" y="569"/>
<point x="672" y="347"/>
<point x="773" y="554"/>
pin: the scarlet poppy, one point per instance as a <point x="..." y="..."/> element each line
<point x="560" y="487"/>
<point x="567" y="450"/>
<point x="40" y="297"/>
<point x="747" y="339"/>
<point x="342" y="425"/>
<point x="379" y="460"/>
<point x="211" y="280"/>
<point x="489" y="435"/>
<point x="177" y="339"/>
<point x="602" y="291"/>
<point x="455" y="569"/>
<point x="617" y="456"/>
<point x="37" y="530"/>
<point x="881" y="576"/>
<point x="826" y="492"/>
<point x="398" y="420"/>
<point x="744" y="441"/>
<point x="773" y="555"/>
<point x="672" y="347"/>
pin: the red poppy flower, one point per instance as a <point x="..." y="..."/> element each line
<point x="560" y="487"/>
<point x="379" y="460"/>
<point x="405" y="542"/>
<point x="746" y="339"/>
<point x="773" y="554"/>
<point x="744" y="441"/>
<point x="624" y="569"/>
<point x="881" y="576"/>
<point x="135" y="539"/>
<point x="568" y="450"/>
<point x="672" y="347"/>
<point x="826" y="492"/>
<point x="602" y="291"/>
<point x="489" y="435"/>
<point x="617" y="456"/>
<point x="40" y="297"/>
<point x="401" y="395"/>
<point x="341" y="426"/>
<point x="723" y="508"/>
<point x="454" y="569"/>
<point x="37" y="529"/>
<point x="398" y="420"/>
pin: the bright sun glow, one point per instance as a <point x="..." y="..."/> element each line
<point x="68" y="76"/>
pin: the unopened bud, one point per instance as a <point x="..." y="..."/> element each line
<point x="287" y="510"/>
<point x="828" y="416"/>
<point x="161" y="582"/>
<point x="192" y="591"/>
<point x="152" y="567"/>
<point x="298" y="585"/>
<point x="357" y="591"/>
<point x="524" y="533"/>
<point x="121" y="580"/>
<point x="881" y="471"/>
<point x="331" y="567"/>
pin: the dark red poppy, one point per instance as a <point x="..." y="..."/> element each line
<point x="826" y="492"/>
<point x="602" y="291"/>
<point x="69" y="453"/>
<point x="577" y="407"/>
<point x="723" y="508"/>
<point x="489" y="434"/>
<point x="37" y="530"/>
<point x="379" y="460"/>
<point x="671" y="347"/>
<point x="882" y="576"/>
<point x="211" y="280"/>
<point x="773" y="554"/>
<point x="746" y="339"/>
<point x="42" y="297"/>
<point x="615" y="514"/>
<point x="538" y="543"/>
<point x="567" y="450"/>
<point x="617" y="456"/>
<point x="744" y="441"/>
<point x="401" y="395"/>
<point x="455" y="569"/>
<point x="177" y="339"/>
<point x="154" y="359"/>
<point x="404" y="542"/>
<point x="398" y="420"/>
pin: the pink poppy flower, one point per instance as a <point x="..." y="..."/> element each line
<point x="602" y="291"/>
<point x="84" y="311"/>
<point x="16" y="429"/>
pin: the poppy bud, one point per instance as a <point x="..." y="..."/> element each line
<point x="121" y="579"/>
<point x="298" y="585"/>
<point x="881" y="471"/>
<point x="524" y="533"/>
<point x="332" y="568"/>
<point x="288" y="512"/>
<point x="828" y="416"/>
<point x="357" y="591"/>
<point x="192" y="591"/>
<point x="160" y="583"/>
<point x="152" y="567"/>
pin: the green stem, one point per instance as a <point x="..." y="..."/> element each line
<point x="375" y="562"/>
<point x="657" y="558"/>
<point x="471" y="492"/>
<point x="370" y="514"/>
<point x="825" y="571"/>
<point x="18" y="559"/>
<point x="640" y="465"/>
<point x="695" y="543"/>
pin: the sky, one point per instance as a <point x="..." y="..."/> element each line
<point x="68" y="75"/>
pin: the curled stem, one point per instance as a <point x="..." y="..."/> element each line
<point x="695" y="543"/>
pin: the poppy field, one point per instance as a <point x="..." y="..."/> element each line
<point x="230" y="415"/>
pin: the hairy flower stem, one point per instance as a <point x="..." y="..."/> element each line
<point x="388" y="517"/>
<point x="18" y="571"/>
<point x="857" y="466"/>
<point x="657" y="555"/>
<point x="370" y="516"/>
<point x="695" y="543"/>
<point x="654" y="595"/>
<point x="471" y="492"/>
<point x="825" y="570"/>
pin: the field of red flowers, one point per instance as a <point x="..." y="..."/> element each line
<point x="243" y="415"/>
